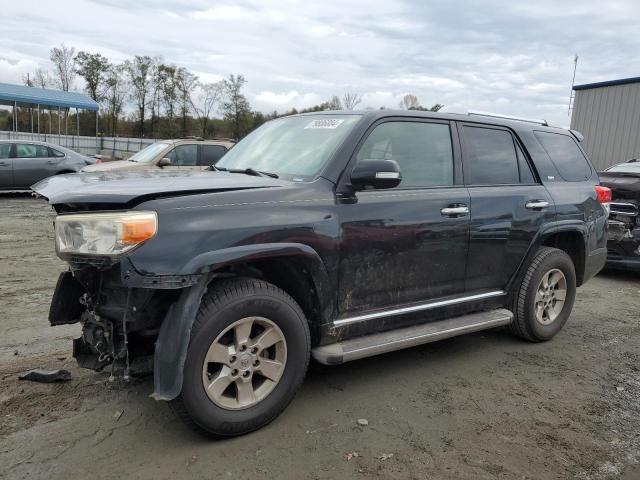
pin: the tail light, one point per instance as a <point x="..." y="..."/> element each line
<point x="604" y="198"/>
<point x="99" y="161"/>
<point x="604" y="194"/>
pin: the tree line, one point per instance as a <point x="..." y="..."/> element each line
<point x="147" y="97"/>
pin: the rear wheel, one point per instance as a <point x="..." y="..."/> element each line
<point x="545" y="297"/>
<point x="247" y="357"/>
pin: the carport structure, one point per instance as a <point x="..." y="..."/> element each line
<point x="37" y="98"/>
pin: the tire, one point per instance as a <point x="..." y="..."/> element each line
<point x="228" y="307"/>
<point x="529" y="322"/>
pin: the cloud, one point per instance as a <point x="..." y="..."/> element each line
<point x="497" y="55"/>
<point x="286" y="100"/>
<point x="13" y="72"/>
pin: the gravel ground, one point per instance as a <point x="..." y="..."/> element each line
<point x="482" y="406"/>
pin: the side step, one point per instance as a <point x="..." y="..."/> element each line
<point x="384" y="342"/>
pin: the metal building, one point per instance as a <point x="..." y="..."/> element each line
<point x="608" y="115"/>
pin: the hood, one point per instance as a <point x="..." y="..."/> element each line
<point x="117" y="165"/>
<point x="125" y="187"/>
<point x="622" y="185"/>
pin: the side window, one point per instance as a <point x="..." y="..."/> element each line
<point x="526" y="175"/>
<point x="211" y="154"/>
<point x="490" y="157"/>
<point x="184" y="156"/>
<point x="5" y="150"/>
<point x="25" y="150"/>
<point x="55" y="153"/>
<point x="423" y="151"/>
<point x="565" y="155"/>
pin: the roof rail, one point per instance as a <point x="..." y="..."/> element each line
<point x="509" y="117"/>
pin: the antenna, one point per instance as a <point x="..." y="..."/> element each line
<point x="572" y="95"/>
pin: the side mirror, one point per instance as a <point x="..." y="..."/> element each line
<point x="164" y="162"/>
<point x="376" y="174"/>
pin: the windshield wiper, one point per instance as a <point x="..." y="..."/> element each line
<point x="246" y="171"/>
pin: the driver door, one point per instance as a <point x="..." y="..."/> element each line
<point x="184" y="157"/>
<point x="405" y="245"/>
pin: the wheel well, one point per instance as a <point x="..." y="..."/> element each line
<point x="292" y="276"/>
<point x="573" y="244"/>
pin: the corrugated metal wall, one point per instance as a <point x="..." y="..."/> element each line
<point x="609" y="118"/>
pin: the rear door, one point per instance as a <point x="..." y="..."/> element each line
<point x="6" y="166"/>
<point x="32" y="163"/>
<point x="508" y="205"/>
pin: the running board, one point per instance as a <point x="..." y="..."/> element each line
<point x="377" y="343"/>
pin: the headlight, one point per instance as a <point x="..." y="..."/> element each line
<point x="104" y="233"/>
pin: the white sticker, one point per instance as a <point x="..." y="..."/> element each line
<point x="325" y="123"/>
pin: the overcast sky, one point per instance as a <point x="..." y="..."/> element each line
<point x="512" y="57"/>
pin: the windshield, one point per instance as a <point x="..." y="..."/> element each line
<point x="625" y="168"/>
<point x="147" y="154"/>
<point x="295" y="147"/>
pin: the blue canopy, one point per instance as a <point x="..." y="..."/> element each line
<point x="45" y="97"/>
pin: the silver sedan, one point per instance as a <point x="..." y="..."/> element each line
<point x="23" y="163"/>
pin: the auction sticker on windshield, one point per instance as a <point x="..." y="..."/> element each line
<point x="324" y="123"/>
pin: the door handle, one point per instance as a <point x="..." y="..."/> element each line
<point x="3" y="164"/>
<point x="51" y="161"/>
<point x="537" y="204"/>
<point x="454" y="211"/>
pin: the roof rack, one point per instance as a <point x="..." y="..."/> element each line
<point x="508" y="117"/>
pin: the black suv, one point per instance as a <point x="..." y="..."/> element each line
<point x="333" y="235"/>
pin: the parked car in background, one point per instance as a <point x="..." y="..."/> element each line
<point x="624" y="219"/>
<point x="183" y="154"/>
<point x="23" y="163"/>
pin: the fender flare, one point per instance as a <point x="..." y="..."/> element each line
<point x="575" y="226"/>
<point x="175" y="332"/>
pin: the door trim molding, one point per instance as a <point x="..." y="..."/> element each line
<point x="416" y="308"/>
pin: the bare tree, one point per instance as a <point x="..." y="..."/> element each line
<point x="186" y="83"/>
<point x="409" y="102"/>
<point x="41" y="78"/>
<point x="63" y="58"/>
<point x="168" y="91"/>
<point x="26" y="79"/>
<point x="236" y="106"/>
<point x="114" y="94"/>
<point x="140" y="72"/>
<point x="333" y="104"/>
<point x="210" y="95"/>
<point x="351" y="100"/>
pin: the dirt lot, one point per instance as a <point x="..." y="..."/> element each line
<point x="482" y="406"/>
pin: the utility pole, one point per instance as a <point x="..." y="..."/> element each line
<point x="573" y="81"/>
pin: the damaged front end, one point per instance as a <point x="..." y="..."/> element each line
<point x="624" y="234"/>
<point x="120" y="324"/>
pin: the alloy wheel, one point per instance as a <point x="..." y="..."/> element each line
<point x="550" y="296"/>
<point x="244" y="363"/>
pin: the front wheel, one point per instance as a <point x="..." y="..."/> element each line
<point x="544" y="300"/>
<point x="247" y="357"/>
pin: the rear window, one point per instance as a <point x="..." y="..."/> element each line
<point x="566" y="156"/>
